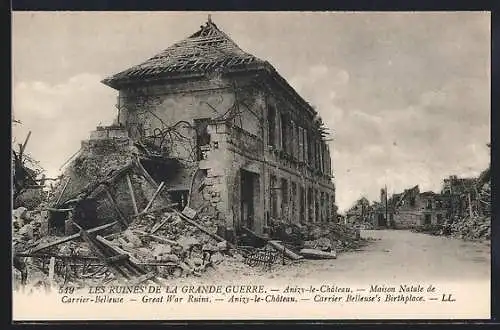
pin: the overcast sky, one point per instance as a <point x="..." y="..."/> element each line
<point x="407" y="95"/>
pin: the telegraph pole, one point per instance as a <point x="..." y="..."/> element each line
<point x="386" y="210"/>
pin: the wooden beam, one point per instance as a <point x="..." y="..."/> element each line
<point x="131" y="264"/>
<point x="157" y="192"/>
<point x="57" y="256"/>
<point x="51" y="209"/>
<point x="100" y="253"/>
<point x="156" y="238"/>
<point x="157" y="226"/>
<point x="132" y="194"/>
<point x="22" y="147"/>
<point x="122" y="218"/>
<point x="94" y="189"/>
<point x="70" y="238"/>
<point x="317" y="254"/>
<point x="52" y="265"/>
<point x="203" y="229"/>
<point x="290" y="254"/>
<point x="166" y="207"/>
<point x="62" y="192"/>
<point x="115" y="248"/>
<point x="145" y="173"/>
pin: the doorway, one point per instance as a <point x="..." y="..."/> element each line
<point x="381" y="220"/>
<point x="427" y="219"/>
<point x="249" y="194"/>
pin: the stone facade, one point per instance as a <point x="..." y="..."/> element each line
<point x="250" y="148"/>
<point x="413" y="209"/>
<point x="233" y="146"/>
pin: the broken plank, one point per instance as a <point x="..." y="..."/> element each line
<point x="70" y="238"/>
<point x="57" y="256"/>
<point x="115" y="248"/>
<point x="22" y="147"/>
<point x="100" y="254"/>
<point x="51" y="209"/>
<point x="158" y="190"/>
<point x="156" y="238"/>
<point x="62" y="193"/>
<point x="166" y="207"/>
<point x="203" y="229"/>
<point x="52" y="265"/>
<point x="119" y="257"/>
<point x="145" y="173"/>
<point x="290" y="254"/>
<point x="157" y="226"/>
<point x="95" y="189"/>
<point x="122" y="218"/>
<point x="317" y="254"/>
<point x="132" y="194"/>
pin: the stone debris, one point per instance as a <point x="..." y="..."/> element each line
<point x="468" y="228"/>
<point x="108" y="220"/>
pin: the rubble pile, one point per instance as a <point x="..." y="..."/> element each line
<point x="468" y="228"/>
<point x="333" y="236"/>
<point x="177" y="248"/>
<point x="472" y="228"/>
<point x="432" y="229"/>
<point x="28" y="225"/>
<point x="326" y="237"/>
<point x="164" y="245"/>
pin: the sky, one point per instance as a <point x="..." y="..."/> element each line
<point x="405" y="95"/>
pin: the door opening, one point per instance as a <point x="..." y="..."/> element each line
<point x="249" y="189"/>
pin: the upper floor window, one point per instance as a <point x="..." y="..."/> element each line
<point x="271" y="120"/>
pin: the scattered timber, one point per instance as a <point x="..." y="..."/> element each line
<point x="317" y="254"/>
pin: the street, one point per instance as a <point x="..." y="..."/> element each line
<point x="391" y="255"/>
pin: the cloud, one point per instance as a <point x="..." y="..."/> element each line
<point x="444" y="132"/>
<point x="60" y="116"/>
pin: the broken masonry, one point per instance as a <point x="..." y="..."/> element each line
<point x="212" y="151"/>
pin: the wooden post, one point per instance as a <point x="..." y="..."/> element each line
<point x="158" y="190"/>
<point x="22" y="147"/>
<point x="70" y="238"/>
<point x="62" y="192"/>
<point x="122" y="218"/>
<point x="470" y="204"/>
<point x="145" y="173"/>
<point x="132" y="195"/>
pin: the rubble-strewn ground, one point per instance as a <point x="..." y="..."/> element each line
<point x="392" y="256"/>
<point x="170" y="246"/>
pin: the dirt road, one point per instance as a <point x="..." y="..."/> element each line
<point x="393" y="255"/>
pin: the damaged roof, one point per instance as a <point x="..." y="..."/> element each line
<point x="207" y="50"/>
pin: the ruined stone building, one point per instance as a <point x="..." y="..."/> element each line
<point x="412" y="208"/>
<point x="227" y="134"/>
<point x="359" y="212"/>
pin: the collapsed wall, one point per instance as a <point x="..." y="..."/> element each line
<point x="105" y="182"/>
